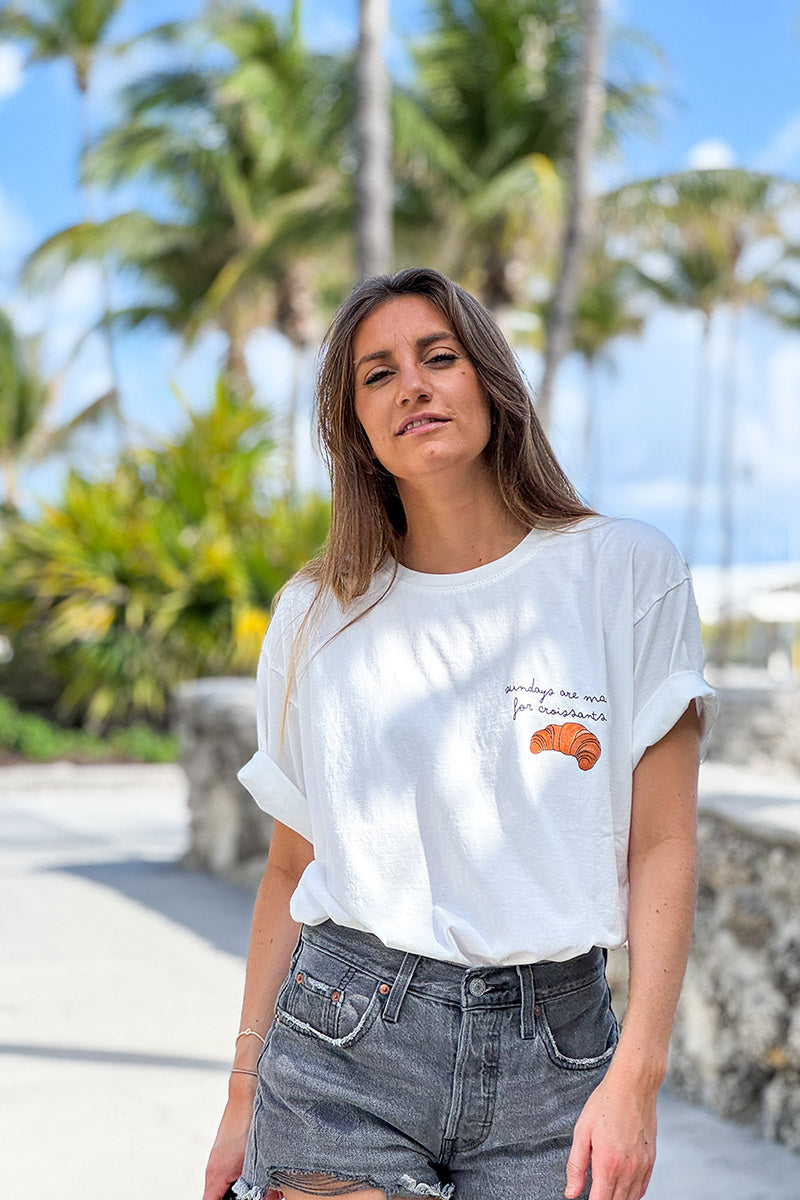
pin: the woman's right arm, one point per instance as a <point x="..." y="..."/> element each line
<point x="272" y="939"/>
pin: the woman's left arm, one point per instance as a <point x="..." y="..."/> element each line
<point x="617" y="1128"/>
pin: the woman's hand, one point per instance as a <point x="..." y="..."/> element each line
<point x="616" y="1132"/>
<point x="227" y="1154"/>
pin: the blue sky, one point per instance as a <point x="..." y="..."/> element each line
<point x="730" y="73"/>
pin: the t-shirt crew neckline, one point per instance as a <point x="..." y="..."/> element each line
<point x="482" y="574"/>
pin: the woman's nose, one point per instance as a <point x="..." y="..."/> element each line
<point x="411" y="383"/>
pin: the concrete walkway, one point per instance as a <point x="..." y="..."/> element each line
<point x="120" y="992"/>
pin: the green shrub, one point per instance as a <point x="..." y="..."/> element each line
<point x="31" y="737"/>
<point x="145" y="744"/>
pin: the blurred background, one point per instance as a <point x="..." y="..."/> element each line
<point x="187" y="191"/>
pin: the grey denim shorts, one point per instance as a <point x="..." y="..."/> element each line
<point x="424" y="1078"/>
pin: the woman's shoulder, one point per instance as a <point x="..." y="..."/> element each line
<point x="294" y="600"/>
<point x="617" y="548"/>
<point x="630" y="537"/>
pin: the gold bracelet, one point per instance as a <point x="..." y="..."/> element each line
<point x="250" y="1032"/>
<point x="241" y="1071"/>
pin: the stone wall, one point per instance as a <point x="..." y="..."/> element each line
<point x="758" y="726"/>
<point x="216" y="722"/>
<point x="736" y="1042"/>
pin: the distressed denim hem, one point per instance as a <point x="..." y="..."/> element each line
<point x="405" y="1188"/>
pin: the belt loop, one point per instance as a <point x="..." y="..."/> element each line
<point x="527" y="1020"/>
<point x="391" y="1009"/>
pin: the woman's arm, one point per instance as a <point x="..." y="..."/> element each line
<point x="272" y="939"/>
<point x="617" y="1128"/>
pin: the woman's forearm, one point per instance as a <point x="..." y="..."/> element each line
<point x="662" y="878"/>
<point x="662" y="899"/>
<point x="273" y="937"/>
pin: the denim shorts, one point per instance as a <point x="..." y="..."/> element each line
<point x="424" y="1078"/>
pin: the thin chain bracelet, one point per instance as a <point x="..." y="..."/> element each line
<point x="241" y="1071"/>
<point x="250" y="1033"/>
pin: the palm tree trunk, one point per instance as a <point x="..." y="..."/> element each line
<point x="373" y="131"/>
<point x="237" y="372"/>
<point x="296" y="320"/>
<point x="727" y="498"/>
<point x="590" y="112"/>
<point x="699" y="447"/>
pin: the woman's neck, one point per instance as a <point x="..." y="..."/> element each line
<point x="456" y="531"/>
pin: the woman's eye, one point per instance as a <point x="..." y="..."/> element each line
<point x="376" y="376"/>
<point x="443" y="357"/>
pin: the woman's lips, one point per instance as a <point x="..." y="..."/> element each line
<point x="420" y="424"/>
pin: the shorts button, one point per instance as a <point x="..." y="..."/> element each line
<point x="299" y="976"/>
<point x="384" y="989"/>
<point x="537" y="1010"/>
<point x="335" y="997"/>
<point x="477" y="986"/>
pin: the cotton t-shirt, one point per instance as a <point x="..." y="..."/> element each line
<point x="461" y="756"/>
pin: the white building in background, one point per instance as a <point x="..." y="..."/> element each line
<point x="764" y="600"/>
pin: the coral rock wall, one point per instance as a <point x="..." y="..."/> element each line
<point x="736" y="1042"/>
<point x="215" y="720"/>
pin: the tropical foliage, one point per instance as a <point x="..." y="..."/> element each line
<point x="161" y="573"/>
<point x="244" y="157"/>
<point x="29" y="430"/>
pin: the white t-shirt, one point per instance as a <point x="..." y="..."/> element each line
<point x="439" y="822"/>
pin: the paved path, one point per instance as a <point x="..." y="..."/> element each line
<point x="120" y="990"/>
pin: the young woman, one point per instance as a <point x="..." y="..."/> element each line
<point x="480" y="718"/>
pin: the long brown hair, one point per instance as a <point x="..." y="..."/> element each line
<point x="367" y="517"/>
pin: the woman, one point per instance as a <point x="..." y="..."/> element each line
<point x="480" y="717"/>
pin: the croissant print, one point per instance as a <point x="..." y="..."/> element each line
<point x="572" y="739"/>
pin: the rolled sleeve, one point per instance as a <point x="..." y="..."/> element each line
<point x="668" y="670"/>
<point x="274" y="775"/>
<point x="275" y="793"/>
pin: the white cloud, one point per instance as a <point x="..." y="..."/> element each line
<point x="14" y="227"/>
<point x="17" y="235"/>
<point x="664" y="493"/>
<point x="12" y="69"/>
<point x="782" y="152"/>
<point x="711" y="154"/>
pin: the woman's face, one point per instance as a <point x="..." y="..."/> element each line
<point x="417" y="395"/>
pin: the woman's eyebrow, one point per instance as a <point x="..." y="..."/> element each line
<point x="422" y="343"/>
<point x="445" y="335"/>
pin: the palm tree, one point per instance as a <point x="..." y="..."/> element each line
<point x="373" y="129"/>
<point x="485" y="135"/>
<point x="74" y="30"/>
<point x="703" y="226"/>
<point x="589" y="104"/>
<point x="249" y="156"/>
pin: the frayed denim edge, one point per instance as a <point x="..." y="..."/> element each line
<point x="245" y="1192"/>
<point x="406" y="1187"/>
